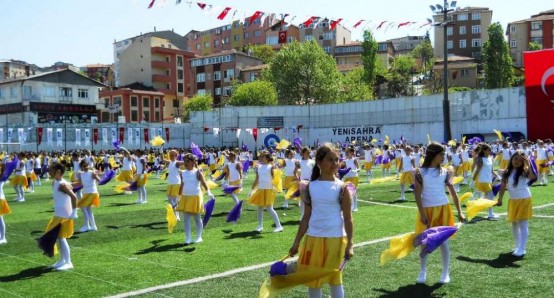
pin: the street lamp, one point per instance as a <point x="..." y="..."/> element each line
<point x="444" y="10"/>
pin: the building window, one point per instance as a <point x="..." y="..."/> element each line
<point x="179" y="60"/>
<point x="329" y="35"/>
<point x="166" y="58"/>
<point x="257" y="33"/>
<point x="226" y="40"/>
<point x="462" y="44"/>
<point x="476" y="43"/>
<point x="236" y="37"/>
<point x="464" y="73"/>
<point x="106" y="102"/>
<point x="66" y="92"/>
<point x="157" y="102"/>
<point x="198" y="46"/>
<point x="449" y="31"/>
<point x="49" y="91"/>
<point x="217" y="75"/>
<point x="83" y="93"/>
<point x="476" y="29"/>
<point x="26" y="92"/>
<point x="134" y="116"/>
<point x="201" y="92"/>
<point x="513" y="43"/>
<point x="229" y="73"/>
<point x="175" y="103"/>
<point x="134" y="101"/>
<point x="462" y="30"/>
<point x="179" y="74"/>
<point x="450" y="44"/>
<point x="536" y="25"/>
<point x="512" y="28"/>
<point x="145" y="102"/>
<point x="246" y="35"/>
<point x="537" y="40"/>
<point x="462" y="17"/>
<point x="200" y="77"/>
<point x="308" y="38"/>
<point x="180" y="87"/>
<point x="157" y="116"/>
<point x="117" y="101"/>
<point x="476" y="16"/>
<point x="216" y="42"/>
<point x="217" y="91"/>
<point x="327" y="49"/>
<point x="253" y="77"/>
<point x="146" y="116"/>
<point x="207" y="44"/>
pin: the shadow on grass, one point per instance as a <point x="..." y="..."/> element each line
<point x="152" y="225"/>
<point x="476" y="220"/>
<point x="47" y="211"/>
<point x="248" y="234"/>
<point x="121" y="204"/>
<point x="156" y="247"/>
<point x="26" y="274"/>
<point x="505" y="260"/>
<point x="37" y="232"/>
<point x="290" y="223"/>
<point x="415" y="290"/>
<point x="220" y="214"/>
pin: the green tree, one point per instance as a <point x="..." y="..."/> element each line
<point x="354" y="87"/>
<point x="369" y="58"/>
<point x="534" y="46"/>
<point x="399" y="79"/>
<point x="262" y="51"/>
<point x="497" y="60"/>
<point x="303" y="73"/>
<point x="424" y="51"/>
<point x="256" y="93"/>
<point x="198" y="102"/>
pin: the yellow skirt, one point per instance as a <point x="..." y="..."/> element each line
<point x="173" y="190"/>
<point x="4" y="207"/>
<point x="466" y="166"/>
<point x="190" y="204"/>
<point x="368" y="165"/>
<point x="353" y="180"/>
<point x="504" y="163"/>
<point x="397" y="162"/>
<point x="125" y="176"/>
<point x="288" y="181"/>
<point x="385" y="166"/>
<point x="459" y="170"/>
<point x="520" y="209"/>
<point x="66" y="230"/>
<point x="407" y="178"/>
<point x="141" y="182"/>
<point x="32" y="175"/>
<point x="19" y="180"/>
<point x="542" y="170"/>
<point x="89" y="199"/>
<point x="262" y="198"/>
<point x="484" y="187"/>
<point x="213" y="167"/>
<point x="437" y="216"/>
<point x="325" y="253"/>
<point x="235" y="183"/>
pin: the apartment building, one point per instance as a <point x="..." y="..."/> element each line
<point x="62" y="96"/>
<point x="158" y="60"/>
<point x="134" y="103"/>
<point x="104" y="73"/>
<point x="328" y="39"/>
<point x="406" y="44"/>
<point x="214" y="73"/>
<point x="351" y="54"/>
<point x="274" y="36"/>
<point x="466" y="32"/>
<point x="462" y="71"/>
<point x="538" y="28"/>
<point x="13" y="69"/>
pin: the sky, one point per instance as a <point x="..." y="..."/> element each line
<point x="82" y="32"/>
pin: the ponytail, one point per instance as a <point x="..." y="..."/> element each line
<point x="316" y="172"/>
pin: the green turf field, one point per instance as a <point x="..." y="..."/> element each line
<point x="132" y="250"/>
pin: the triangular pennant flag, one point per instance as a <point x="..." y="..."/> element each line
<point x="224" y="13"/>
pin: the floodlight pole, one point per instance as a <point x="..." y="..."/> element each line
<point x="446" y="102"/>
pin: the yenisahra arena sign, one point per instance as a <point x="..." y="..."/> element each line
<point x="358" y="134"/>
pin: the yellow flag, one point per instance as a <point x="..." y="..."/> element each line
<point x="400" y="246"/>
<point x="277" y="180"/>
<point x="170" y="217"/>
<point x="457" y="180"/>
<point x="292" y="189"/>
<point x="474" y="207"/>
<point x="275" y="285"/>
<point x="157" y="141"/>
<point x="386" y="140"/>
<point x="499" y="134"/>
<point x="428" y="139"/>
<point x="451" y="143"/>
<point x="464" y="140"/>
<point x="283" y="144"/>
<point x="465" y="196"/>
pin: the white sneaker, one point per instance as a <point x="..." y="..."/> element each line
<point x="3" y="241"/>
<point x="518" y="253"/>
<point x="84" y="228"/>
<point x="93" y="228"/>
<point x="493" y="217"/>
<point x="139" y="201"/>
<point x="66" y="266"/>
<point x="259" y="229"/>
<point x="199" y="240"/>
<point x="20" y="200"/>
<point x="57" y="264"/>
<point x="445" y="279"/>
<point x="187" y="241"/>
<point x="421" y="278"/>
<point x="278" y="229"/>
<point x="403" y="199"/>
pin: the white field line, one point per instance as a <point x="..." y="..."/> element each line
<point x="386" y="204"/>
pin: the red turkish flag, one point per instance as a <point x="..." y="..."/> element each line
<point x="151" y="4"/>
<point x="539" y="92"/>
<point x="334" y="24"/>
<point x="307" y="23"/>
<point x="121" y="134"/>
<point x="256" y="15"/>
<point x="146" y="135"/>
<point x="201" y="5"/>
<point x="358" y="23"/>
<point x="167" y="134"/>
<point x="39" y="135"/>
<point x="255" y="134"/>
<point x="224" y="13"/>
<point x="95" y="135"/>
<point x="282" y="36"/>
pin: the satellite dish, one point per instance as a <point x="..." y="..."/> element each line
<point x="432" y="8"/>
<point x="439" y="7"/>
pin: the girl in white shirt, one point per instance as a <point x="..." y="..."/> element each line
<point x="263" y="194"/>
<point x="520" y="206"/>
<point x="484" y="174"/>
<point x="233" y="175"/>
<point x="173" y="180"/>
<point x="4" y="207"/>
<point x="352" y="176"/>
<point x="433" y="205"/>
<point x="89" y="179"/>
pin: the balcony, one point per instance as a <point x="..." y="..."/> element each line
<point x="161" y="64"/>
<point x="159" y="78"/>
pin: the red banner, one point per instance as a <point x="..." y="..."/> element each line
<point x="282" y="36"/>
<point x="146" y="139"/>
<point x="167" y="134"/>
<point x="255" y="134"/>
<point x="539" y="92"/>
<point x="39" y="135"/>
<point x="95" y="135"/>
<point x="121" y="134"/>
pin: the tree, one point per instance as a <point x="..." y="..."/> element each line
<point x="400" y="76"/>
<point x="497" y="60"/>
<point x="262" y="51"/>
<point x="354" y="87"/>
<point x="303" y="73"/>
<point x="369" y="58"/>
<point x="256" y="93"/>
<point x="533" y="46"/>
<point x="199" y="102"/>
<point x="424" y="51"/>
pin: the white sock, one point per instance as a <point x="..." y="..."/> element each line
<point x="186" y="225"/>
<point x="144" y="193"/>
<point x="402" y="187"/>
<point x="260" y="217"/>
<point x="235" y="198"/>
<point x="91" y="221"/>
<point x="517" y="236"/>
<point x="86" y="216"/>
<point x="199" y="226"/>
<point x="524" y="235"/>
<point x="355" y="202"/>
<point x="422" y="269"/>
<point x="2" y="228"/>
<point x="445" y="257"/>
<point x="315" y="293"/>
<point x="274" y="216"/>
<point x="337" y="291"/>
<point x="65" y="253"/>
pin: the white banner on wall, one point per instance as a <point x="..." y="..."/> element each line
<point x="105" y="136"/>
<point x="77" y="137"/>
<point x="59" y="137"/>
<point x="87" y="137"/>
<point x="49" y="138"/>
<point x="137" y="136"/>
<point x="10" y="133"/>
<point x="130" y="135"/>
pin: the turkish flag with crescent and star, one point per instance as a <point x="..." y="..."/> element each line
<point x="539" y="92"/>
<point x="282" y="36"/>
